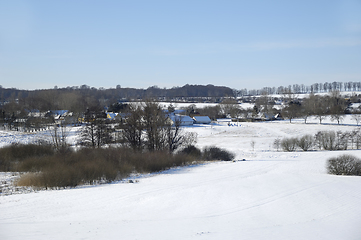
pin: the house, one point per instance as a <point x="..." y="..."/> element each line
<point x="35" y="113"/>
<point x="184" y="120"/>
<point x="268" y="117"/>
<point x="278" y="116"/>
<point x="202" y="120"/>
<point x="58" y="115"/>
<point x="111" y="115"/>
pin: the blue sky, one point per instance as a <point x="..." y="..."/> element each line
<point x="239" y="44"/>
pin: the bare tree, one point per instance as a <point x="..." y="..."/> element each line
<point x="229" y="107"/>
<point x="289" y="144"/>
<point x="154" y="123"/>
<point x="277" y="143"/>
<point x="293" y="110"/>
<point x="103" y="133"/>
<point x="253" y="143"/>
<point x="337" y="106"/>
<point x="264" y="103"/>
<point x="305" y="142"/>
<point x="133" y="128"/>
<point x="95" y="133"/>
<point x="307" y="107"/>
<point x="319" y="108"/>
<point x="212" y="112"/>
<point x="176" y="138"/>
<point x="88" y="135"/>
<point x="59" y="135"/>
<point x="357" y="118"/>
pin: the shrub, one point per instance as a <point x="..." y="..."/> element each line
<point x="277" y="143"/>
<point x="305" y="142"/>
<point x="88" y="166"/>
<point x="342" y="140"/>
<point x="91" y="165"/>
<point x="289" y="144"/>
<point x="215" y="153"/>
<point x="192" y="151"/>
<point x="157" y="161"/>
<point x="331" y="140"/>
<point x="11" y="156"/>
<point x="326" y="140"/>
<point x="344" y="165"/>
<point x="29" y="179"/>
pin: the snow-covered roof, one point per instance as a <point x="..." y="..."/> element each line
<point x="185" y="120"/>
<point x="202" y="119"/>
<point x="58" y="112"/>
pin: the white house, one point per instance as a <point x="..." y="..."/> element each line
<point x="184" y="120"/>
<point x="202" y="120"/>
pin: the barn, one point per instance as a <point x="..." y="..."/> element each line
<point x="202" y="120"/>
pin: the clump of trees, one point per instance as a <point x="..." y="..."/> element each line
<point x="333" y="105"/>
<point x="149" y="128"/>
<point x="326" y="140"/>
<point x="344" y="165"/>
<point x="146" y="128"/>
<point x="96" y="133"/>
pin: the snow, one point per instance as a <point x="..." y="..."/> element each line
<point x="10" y="137"/>
<point x="271" y="195"/>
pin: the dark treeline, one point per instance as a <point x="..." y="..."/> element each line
<point x="187" y="91"/>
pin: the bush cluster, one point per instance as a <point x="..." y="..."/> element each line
<point x="305" y="143"/>
<point x="15" y="153"/>
<point x="89" y="166"/>
<point x="289" y="144"/>
<point x="344" y="165"/>
<point x="48" y="168"/>
<point x="326" y="140"/>
<point x="215" y="153"/>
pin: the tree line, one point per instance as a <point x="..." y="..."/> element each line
<point x="302" y="89"/>
<point x="62" y="98"/>
<point x="332" y="104"/>
<point x="322" y="140"/>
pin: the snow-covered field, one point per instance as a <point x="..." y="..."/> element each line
<point x="271" y="195"/>
<point x="11" y="137"/>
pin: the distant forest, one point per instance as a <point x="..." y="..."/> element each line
<point x="186" y="91"/>
<point x="80" y="99"/>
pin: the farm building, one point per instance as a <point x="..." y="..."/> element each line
<point x="184" y="120"/>
<point x="202" y="120"/>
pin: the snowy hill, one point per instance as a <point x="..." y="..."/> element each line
<point x="271" y="195"/>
